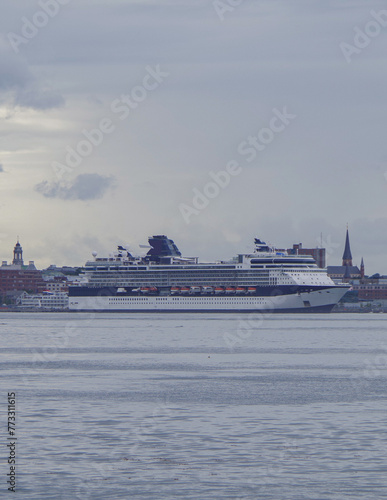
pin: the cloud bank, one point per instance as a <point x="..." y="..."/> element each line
<point x="84" y="187"/>
<point x="19" y="87"/>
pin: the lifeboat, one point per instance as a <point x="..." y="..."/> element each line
<point x="195" y="289"/>
<point x="175" y="290"/>
<point x="230" y="289"/>
<point x="251" y="289"/>
<point x="184" y="289"/>
<point x="240" y="290"/>
<point x="153" y="289"/>
<point x="218" y="290"/>
<point x="144" y="289"/>
<point x="207" y="289"/>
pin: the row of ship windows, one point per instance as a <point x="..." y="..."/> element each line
<point x="199" y="281"/>
<point x="167" y="286"/>
<point x="165" y="282"/>
<point x="220" y="272"/>
<point x="171" y="268"/>
<point x="221" y="300"/>
<point x="192" y="277"/>
<point x="183" y="280"/>
<point x="311" y="272"/>
<point x="131" y="299"/>
<point x="370" y="288"/>
<point x="45" y="302"/>
<point x="317" y="274"/>
<point x="197" y="269"/>
<point x="181" y="276"/>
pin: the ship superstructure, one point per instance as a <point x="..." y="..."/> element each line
<point x="265" y="279"/>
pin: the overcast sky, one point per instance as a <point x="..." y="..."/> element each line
<point x="178" y="89"/>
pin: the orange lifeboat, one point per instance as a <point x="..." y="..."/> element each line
<point x="251" y="289"/>
<point x="184" y="289"/>
<point x="240" y="290"/>
<point x="230" y="289"/>
<point x="219" y="290"/>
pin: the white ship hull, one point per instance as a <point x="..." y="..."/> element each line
<point x="315" y="301"/>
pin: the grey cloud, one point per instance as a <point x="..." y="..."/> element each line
<point x="1" y="167"/>
<point x="38" y="99"/>
<point x="13" y="74"/>
<point x="84" y="187"/>
<point x="20" y="87"/>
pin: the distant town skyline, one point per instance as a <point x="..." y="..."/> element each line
<point x="235" y="121"/>
<point x="326" y="256"/>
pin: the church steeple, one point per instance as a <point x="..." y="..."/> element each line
<point x="18" y="254"/>
<point x="362" y="269"/>
<point x="347" y="274"/>
<point x="347" y="256"/>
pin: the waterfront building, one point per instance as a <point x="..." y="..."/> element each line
<point x="374" y="288"/>
<point x="45" y="300"/>
<point x="56" y="283"/>
<point x="319" y="254"/>
<point x="18" y="276"/>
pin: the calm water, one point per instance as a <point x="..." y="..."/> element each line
<point x="118" y="406"/>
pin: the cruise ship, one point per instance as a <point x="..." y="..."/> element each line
<point x="266" y="280"/>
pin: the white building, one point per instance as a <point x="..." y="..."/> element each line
<point x="56" y="286"/>
<point x="45" y="300"/>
